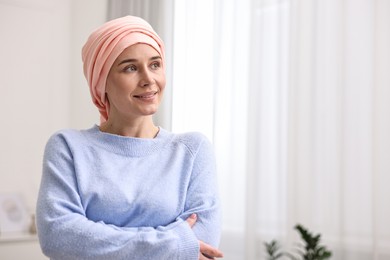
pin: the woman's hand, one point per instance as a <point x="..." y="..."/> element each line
<point x="206" y="251"/>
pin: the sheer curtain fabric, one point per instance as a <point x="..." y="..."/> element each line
<point x="295" y="95"/>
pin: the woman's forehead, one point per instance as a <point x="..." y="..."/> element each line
<point x="138" y="51"/>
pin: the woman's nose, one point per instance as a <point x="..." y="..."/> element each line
<point x="146" y="78"/>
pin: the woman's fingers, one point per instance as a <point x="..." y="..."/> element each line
<point x="209" y="251"/>
<point x="204" y="257"/>
<point x="206" y="251"/>
<point x="191" y="220"/>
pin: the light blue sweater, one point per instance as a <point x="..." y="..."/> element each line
<point x="105" y="196"/>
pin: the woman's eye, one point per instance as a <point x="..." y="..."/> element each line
<point x="155" y="65"/>
<point x="130" y="68"/>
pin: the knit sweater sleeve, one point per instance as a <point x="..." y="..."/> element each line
<point x="202" y="194"/>
<point x="66" y="233"/>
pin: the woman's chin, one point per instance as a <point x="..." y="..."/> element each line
<point x="150" y="111"/>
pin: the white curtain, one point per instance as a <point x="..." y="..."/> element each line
<point x="295" y="95"/>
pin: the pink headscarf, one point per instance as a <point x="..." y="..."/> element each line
<point x="105" y="44"/>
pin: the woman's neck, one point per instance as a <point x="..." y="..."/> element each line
<point x="140" y="129"/>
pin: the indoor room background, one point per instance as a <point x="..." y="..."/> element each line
<point x="293" y="94"/>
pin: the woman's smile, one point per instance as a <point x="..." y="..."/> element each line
<point x="147" y="96"/>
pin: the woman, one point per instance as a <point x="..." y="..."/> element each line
<point x="127" y="189"/>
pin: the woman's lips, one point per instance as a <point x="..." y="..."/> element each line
<point x="146" y="96"/>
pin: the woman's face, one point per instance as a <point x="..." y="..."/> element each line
<point x="135" y="83"/>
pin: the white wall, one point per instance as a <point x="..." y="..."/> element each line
<point x="41" y="81"/>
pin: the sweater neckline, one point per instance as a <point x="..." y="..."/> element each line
<point x="129" y="146"/>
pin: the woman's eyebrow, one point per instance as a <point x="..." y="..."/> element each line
<point x="127" y="61"/>
<point x="155" y="58"/>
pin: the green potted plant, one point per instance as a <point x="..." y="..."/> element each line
<point x="311" y="249"/>
<point x="273" y="250"/>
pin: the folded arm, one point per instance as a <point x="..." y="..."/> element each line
<point x="203" y="200"/>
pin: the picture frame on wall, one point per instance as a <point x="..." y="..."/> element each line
<point x="14" y="217"/>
